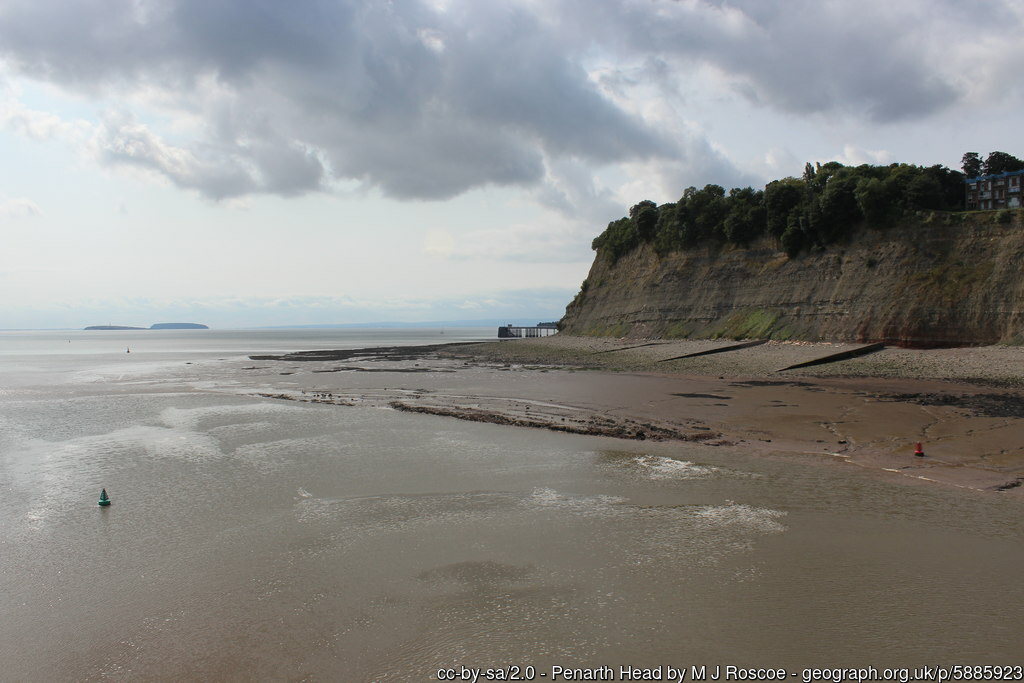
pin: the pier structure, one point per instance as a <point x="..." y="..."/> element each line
<point x="511" y="331"/>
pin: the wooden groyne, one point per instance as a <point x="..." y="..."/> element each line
<point x="626" y="348"/>
<point x="842" y="355"/>
<point x="720" y="349"/>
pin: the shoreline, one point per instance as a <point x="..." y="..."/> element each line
<point x="965" y="405"/>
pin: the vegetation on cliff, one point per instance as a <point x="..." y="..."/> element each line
<point x="996" y="162"/>
<point x="824" y="206"/>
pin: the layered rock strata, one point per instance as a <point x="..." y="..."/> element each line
<point x="949" y="280"/>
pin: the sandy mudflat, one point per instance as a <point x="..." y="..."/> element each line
<point x="1001" y="366"/>
<point x="966" y="406"/>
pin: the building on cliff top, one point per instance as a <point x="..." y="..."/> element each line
<point x="999" y="191"/>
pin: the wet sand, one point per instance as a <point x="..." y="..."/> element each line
<point x="964" y="405"/>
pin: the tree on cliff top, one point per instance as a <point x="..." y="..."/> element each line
<point x="1001" y="162"/>
<point x="645" y="217"/>
<point x="781" y="197"/>
<point x="825" y="206"/>
<point x="971" y="164"/>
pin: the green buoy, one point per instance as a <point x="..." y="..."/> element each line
<point x="104" y="501"/>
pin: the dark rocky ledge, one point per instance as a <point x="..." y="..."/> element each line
<point x="392" y="353"/>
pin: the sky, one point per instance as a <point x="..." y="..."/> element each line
<point x="244" y="163"/>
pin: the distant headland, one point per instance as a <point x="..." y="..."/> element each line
<point x="154" y="326"/>
<point x="901" y="254"/>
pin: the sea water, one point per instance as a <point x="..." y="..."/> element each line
<point x="251" y="538"/>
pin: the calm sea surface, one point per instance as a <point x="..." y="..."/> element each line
<point x="253" y="539"/>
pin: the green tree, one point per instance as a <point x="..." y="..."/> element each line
<point x="645" y="216"/>
<point x="746" y="218"/>
<point x="971" y="164"/>
<point x="808" y="173"/>
<point x="1001" y="162"/>
<point x="874" y="200"/>
<point x="781" y="197"/>
<point x="951" y="187"/>
<point x="839" y="210"/>
<point x="826" y="171"/>
<point x="794" y="239"/>
<point x="897" y="182"/>
<point x="810" y="222"/>
<point x="821" y="208"/>
<point x="618" y="239"/>
<point x="924" y="192"/>
<point x="705" y="212"/>
<point x="668" y="232"/>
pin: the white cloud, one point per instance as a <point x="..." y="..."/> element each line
<point x="18" y="207"/>
<point x="417" y="101"/>
<point x="577" y="193"/>
<point x="855" y="156"/>
<point x="428" y="99"/>
<point x="438" y="243"/>
<point x="42" y="125"/>
<point x="780" y="162"/>
<point x="432" y="39"/>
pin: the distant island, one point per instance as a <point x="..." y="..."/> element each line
<point x="178" y="326"/>
<point x="113" y="327"/>
<point x="155" y="326"/>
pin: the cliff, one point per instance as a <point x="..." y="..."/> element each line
<point x="945" y="280"/>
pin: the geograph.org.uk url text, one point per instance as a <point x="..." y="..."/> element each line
<point x="681" y="674"/>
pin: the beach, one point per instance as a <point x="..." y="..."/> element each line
<point x="302" y="505"/>
<point x="964" y="406"/>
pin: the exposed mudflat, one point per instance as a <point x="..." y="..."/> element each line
<point x="377" y="353"/>
<point x="964" y="405"/>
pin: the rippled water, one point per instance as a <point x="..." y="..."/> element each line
<point x="256" y="539"/>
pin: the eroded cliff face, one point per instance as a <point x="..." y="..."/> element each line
<point x="929" y="284"/>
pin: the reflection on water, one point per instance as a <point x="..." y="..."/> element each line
<point x="258" y="539"/>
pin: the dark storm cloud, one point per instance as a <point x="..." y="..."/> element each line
<point x="426" y="101"/>
<point x="419" y="102"/>
<point x="839" y="57"/>
<point x="881" y="60"/>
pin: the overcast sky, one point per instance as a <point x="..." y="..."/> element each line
<point x="256" y="162"/>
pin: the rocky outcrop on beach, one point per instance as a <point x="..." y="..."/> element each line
<point x="946" y="280"/>
<point x="557" y="419"/>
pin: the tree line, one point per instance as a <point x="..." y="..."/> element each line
<point x="996" y="162"/>
<point x="822" y="207"/>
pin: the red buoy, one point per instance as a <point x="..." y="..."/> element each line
<point x="918" y="452"/>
